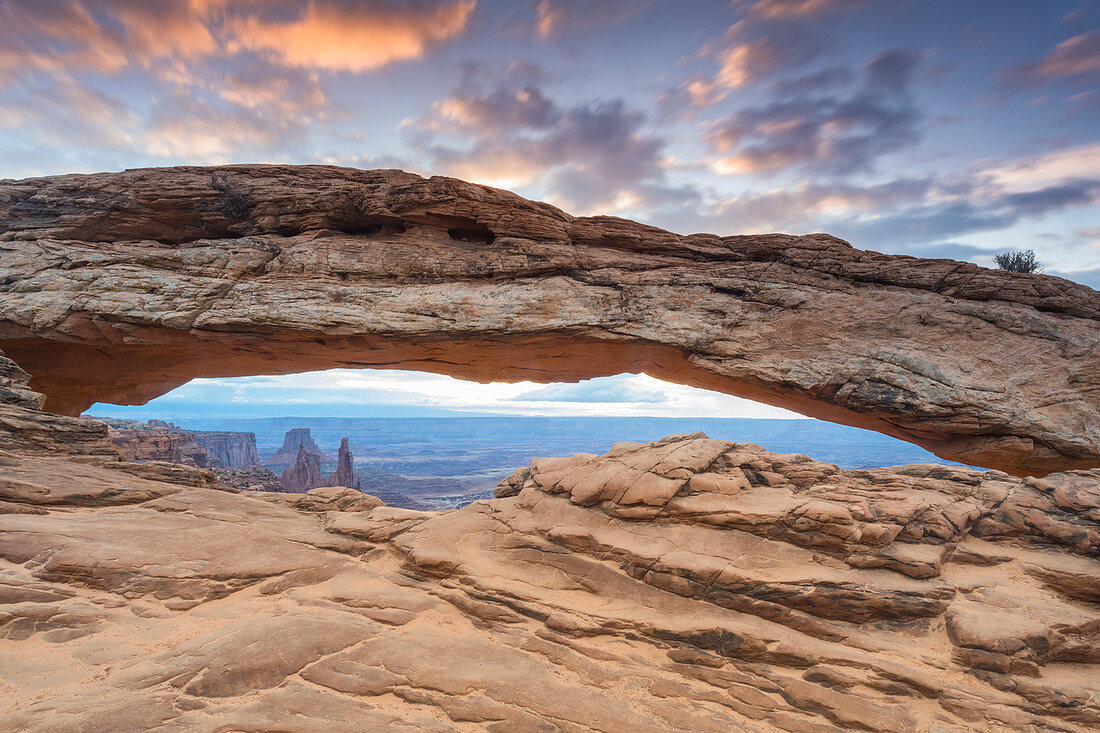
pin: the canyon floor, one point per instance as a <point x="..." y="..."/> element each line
<point x="688" y="584"/>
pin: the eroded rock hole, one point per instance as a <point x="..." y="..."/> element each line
<point x="476" y="233"/>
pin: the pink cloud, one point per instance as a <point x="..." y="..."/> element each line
<point x="352" y="37"/>
<point x="1077" y="55"/>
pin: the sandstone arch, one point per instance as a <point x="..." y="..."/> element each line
<point x="120" y="287"/>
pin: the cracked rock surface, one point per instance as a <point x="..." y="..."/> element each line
<point x="688" y="584"/>
<point x="120" y="287"/>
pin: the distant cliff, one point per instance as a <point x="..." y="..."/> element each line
<point x="345" y="468"/>
<point x="305" y="474"/>
<point x="157" y="440"/>
<point x="287" y="455"/>
<point x="230" y="450"/>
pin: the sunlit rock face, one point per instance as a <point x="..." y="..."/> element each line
<point x="689" y="584"/>
<point x="119" y="287"/>
<point x="157" y="440"/>
<point x="304" y="475"/>
<point x="345" y="468"/>
<point x="287" y="455"/>
<point x="229" y="450"/>
<point x="686" y="584"/>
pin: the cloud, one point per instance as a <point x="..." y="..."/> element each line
<point x="801" y="9"/>
<point x="556" y="18"/>
<point x="207" y="81"/>
<point x="1036" y="171"/>
<point x="831" y="134"/>
<point x="108" y="36"/>
<point x="184" y="128"/>
<point x="594" y="155"/>
<point x="352" y="36"/>
<point x="104" y="36"/>
<point x="501" y="109"/>
<point x="750" y="51"/>
<point x="773" y="36"/>
<point x="832" y="76"/>
<point x="286" y="93"/>
<point x="897" y="215"/>
<point x="925" y="216"/>
<point x="1078" y="56"/>
<point x="65" y="109"/>
<point x="1089" y="277"/>
<point x="954" y="215"/>
<point x="603" y="389"/>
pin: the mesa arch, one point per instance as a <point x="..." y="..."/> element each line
<point x="119" y="287"/>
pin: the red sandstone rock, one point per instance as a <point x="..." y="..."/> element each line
<point x="256" y="478"/>
<point x="335" y="267"/>
<point x="304" y="475"/>
<point x="687" y="584"/>
<point x="229" y="450"/>
<point x="157" y="441"/>
<point x="345" y="468"/>
<point x="294" y="439"/>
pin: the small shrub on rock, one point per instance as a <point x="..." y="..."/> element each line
<point x="1018" y="261"/>
<point x="233" y="199"/>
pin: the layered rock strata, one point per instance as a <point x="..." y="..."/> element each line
<point x="228" y="449"/>
<point x="120" y="287"/>
<point x="304" y="475"/>
<point x="256" y="478"/>
<point x="25" y="427"/>
<point x="689" y="584"/>
<point x="157" y="441"/>
<point x="294" y="439"/>
<point x="345" y="468"/>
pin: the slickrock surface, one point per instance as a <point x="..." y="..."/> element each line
<point x="120" y="287"/>
<point x="689" y="584"/>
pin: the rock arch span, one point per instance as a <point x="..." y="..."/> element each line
<point x="119" y="287"/>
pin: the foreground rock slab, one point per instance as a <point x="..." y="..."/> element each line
<point x="120" y="287"/>
<point x="688" y="584"/>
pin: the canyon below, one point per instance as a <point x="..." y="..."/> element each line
<point x="680" y="583"/>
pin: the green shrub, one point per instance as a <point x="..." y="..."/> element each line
<point x="233" y="199"/>
<point x="1018" y="261"/>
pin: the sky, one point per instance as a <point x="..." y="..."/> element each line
<point x="398" y="393"/>
<point x="934" y="128"/>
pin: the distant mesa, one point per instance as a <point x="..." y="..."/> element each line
<point x="305" y="473"/>
<point x="287" y="455"/>
<point x="158" y="440"/>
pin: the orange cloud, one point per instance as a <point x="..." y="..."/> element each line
<point x="352" y="38"/>
<point x="802" y="8"/>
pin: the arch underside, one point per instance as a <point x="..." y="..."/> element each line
<point x="380" y="269"/>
